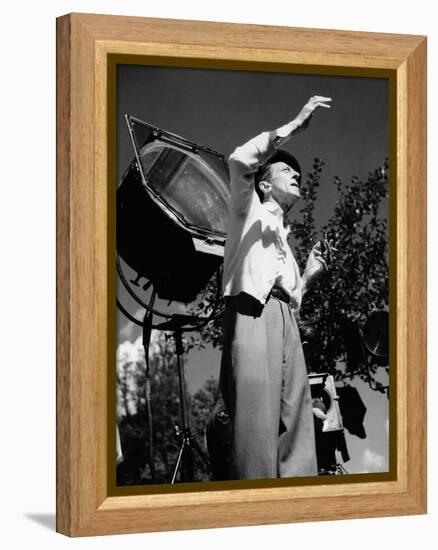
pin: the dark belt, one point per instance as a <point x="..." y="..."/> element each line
<point x="280" y="294"/>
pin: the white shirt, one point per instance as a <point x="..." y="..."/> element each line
<point x="257" y="254"/>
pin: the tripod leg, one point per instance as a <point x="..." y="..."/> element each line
<point x="178" y="461"/>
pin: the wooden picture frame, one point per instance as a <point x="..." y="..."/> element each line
<point x="85" y="43"/>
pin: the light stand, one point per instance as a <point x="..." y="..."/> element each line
<point x="187" y="441"/>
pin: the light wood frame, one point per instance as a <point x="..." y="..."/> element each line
<point x="84" y="43"/>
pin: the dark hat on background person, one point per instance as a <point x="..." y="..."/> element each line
<point x="280" y="155"/>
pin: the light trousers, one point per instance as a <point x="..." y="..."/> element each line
<point x="265" y="388"/>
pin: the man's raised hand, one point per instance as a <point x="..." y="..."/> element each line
<point x="315" y="102"/>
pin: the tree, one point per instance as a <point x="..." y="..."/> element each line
<point x="356" y="283"/>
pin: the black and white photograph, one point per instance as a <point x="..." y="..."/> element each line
<point x="252" y="233"/>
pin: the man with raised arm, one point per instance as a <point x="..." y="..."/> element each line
<point x="263" y="377"/>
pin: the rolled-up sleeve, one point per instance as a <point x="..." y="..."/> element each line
<point x="243" y="163"/>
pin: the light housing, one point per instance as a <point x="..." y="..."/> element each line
<point x="172" y="211"/>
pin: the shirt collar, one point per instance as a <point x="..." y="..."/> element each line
<point x="274" y="209"/>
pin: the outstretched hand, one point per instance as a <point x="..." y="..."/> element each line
<point x="303" y="119"/>
<point x="315" y="102"/>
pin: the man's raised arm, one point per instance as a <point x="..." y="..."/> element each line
<point x="302" y="121"/>
<point x="247" y="158"/>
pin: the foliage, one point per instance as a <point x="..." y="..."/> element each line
<point x="356" y="283"/>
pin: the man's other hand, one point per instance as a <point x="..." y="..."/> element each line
<point x="315" y="265"/>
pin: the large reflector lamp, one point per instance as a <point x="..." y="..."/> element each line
<point x="172" y="211"/>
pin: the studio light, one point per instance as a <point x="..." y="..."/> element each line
<point x="172" y="210"/>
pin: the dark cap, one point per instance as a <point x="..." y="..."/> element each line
<point x="280" y="155"/>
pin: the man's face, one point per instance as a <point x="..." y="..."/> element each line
<point x="284" y="183"/>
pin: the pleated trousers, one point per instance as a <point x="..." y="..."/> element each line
<point x="265" y="388"/>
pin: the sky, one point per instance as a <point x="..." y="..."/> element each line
<point x="223" y="109"/>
